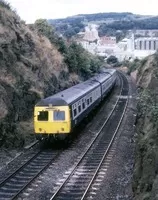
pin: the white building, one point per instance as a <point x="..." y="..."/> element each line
<point x="136" y="48"/>
<point x="147" y="43"/>
<point x="96" y="45"/>
<point x="91" y="33"/>
<point x="127" y="49"/>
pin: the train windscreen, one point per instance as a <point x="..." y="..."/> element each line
<point x="59" y="115"/>
<point x="42" y="116"/>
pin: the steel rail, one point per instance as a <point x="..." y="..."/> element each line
<point x="83" y="155"/>
<point x="10" y="188"/>
<point x="107" y="150"/>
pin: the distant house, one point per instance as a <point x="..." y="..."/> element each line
<point x="127" y="49"/>
<point x="107" y="40"/>
<point x="91" y="34"/>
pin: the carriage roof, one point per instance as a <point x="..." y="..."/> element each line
<point x="73" y="93"/>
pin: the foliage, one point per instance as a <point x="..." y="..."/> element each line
<point x="68" y="29"/>
<point x="60" y="43"/>
<point x="72" y="25"/>
<point x="125" y="25"/>
<point x="93" y="17"/>
<point x="120" y="35"/>
<point x="44" y="28"/>
<point x="132" y="66"/>
<point x="76" y="57"/>
<point x="148" y="103"/>
<point x="149" y="96"/>
<point x="104" y="29"/>
<point x="141" y="65"/>
<point x="150" y="23"/>
<point x="145" y="172"/>
<point x="5" y="4"/>
<point x="109" y="24"/>
<point x="80" y="61"/>
<point x="96" y="63"/>
<point x="112" y="60"/>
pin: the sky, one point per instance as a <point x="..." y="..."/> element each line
<point x="30" y="10"/>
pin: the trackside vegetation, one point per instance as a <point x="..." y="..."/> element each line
<point x="145" y="171"/>
<point x="5" y="4"/>
<point x="76" y="57"/>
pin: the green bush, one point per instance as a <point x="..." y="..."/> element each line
<point x="5" y="4"/>
<point x="81" y="61"/>
<point x="76" y="57"/>
<point x="148" y="103"/>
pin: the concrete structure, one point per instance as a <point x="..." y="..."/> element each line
<point x="146" y="43"/>
<point x="127" y="49"/>
<point x="91" y="33"/>
<point x="109" y="41"/>
<point x="95" y="44"/>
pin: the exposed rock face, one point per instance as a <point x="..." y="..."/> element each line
<point x="30" y="68"/>
<point x="146" y="167"/>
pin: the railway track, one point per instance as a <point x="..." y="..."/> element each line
<point x="14" y="184"/>
<point x="19" y="160"/>
<point x="79" y="181"/>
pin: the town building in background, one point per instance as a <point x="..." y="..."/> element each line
<point x="129" y="48"/>
<point x="147" y="43"/>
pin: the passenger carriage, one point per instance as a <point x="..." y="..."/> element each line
<point x="60" y="113"/>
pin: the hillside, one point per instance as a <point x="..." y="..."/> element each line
<point x="108" y="23"/>
<point x="30" y="68"/>
<point x="35" y="62"/>
<point x="100" y="17"/>
<point x="145" y="183"/>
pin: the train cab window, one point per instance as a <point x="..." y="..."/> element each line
<point x="74" y="112"/>
<point x="59" y="115"/>
<point x="42" y="116"/>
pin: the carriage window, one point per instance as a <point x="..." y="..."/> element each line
<point x="74" y="112"/>
<point x="42" y="116"/>
<point x="91" y="99"/>
<point x="59" y="115"/>
<point x="87" y="101"/>
<point x="83" y="105"/>
<point x="79" y="108"/>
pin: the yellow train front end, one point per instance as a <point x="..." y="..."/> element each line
<point x="51" y="121"/>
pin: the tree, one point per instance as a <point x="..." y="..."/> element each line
<point x="44" y="28"/>
<point x="76" y="57"/>
<point x="69" y="33"/>
<point x="5" y="4"/>
<point x="112" y="60"/>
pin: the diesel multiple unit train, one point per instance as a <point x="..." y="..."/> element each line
<point x="58" y="114"/>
